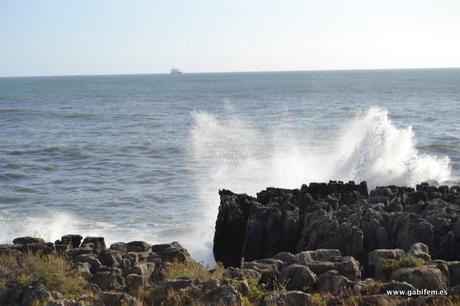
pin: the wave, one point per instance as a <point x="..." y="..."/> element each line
<point x="233" y="153"/>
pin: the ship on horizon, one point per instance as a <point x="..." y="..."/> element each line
<point x="175" y="71"/>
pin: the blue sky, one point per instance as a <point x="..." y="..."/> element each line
<point x="61" y="37"/>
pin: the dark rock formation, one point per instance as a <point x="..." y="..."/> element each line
<point x="338" y="215"/>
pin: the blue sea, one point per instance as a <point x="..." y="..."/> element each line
<point x="143" y="156"/>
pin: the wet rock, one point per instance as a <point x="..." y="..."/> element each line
<point x="297" y="277"/>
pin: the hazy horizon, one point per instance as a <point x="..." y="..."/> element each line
<point x="58" y="38"/>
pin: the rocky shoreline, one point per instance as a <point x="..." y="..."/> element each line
<point x="322" y="244"/>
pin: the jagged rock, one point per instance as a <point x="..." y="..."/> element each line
<point x="91" y="259"/>
<point x="97" y="244"/>
<point x="110" y="258"/>
<point x="119" y="247"/>
<point x="171" y="252"/>
<point x="28" y="240"/>
<point x="333" y="282"/>
<point x="420" y="250"/>
<point x="423" y="277"/>
<point x="109" y="280"/>
<point x="290" y="298"/>
<point x="347" y="266"/>
<point x="339" y="216"/>
<point x="268" y="269"/>
<point x="179" y="283"/>
<point x="72" y="240"/>
<point x="320" y="267"/>
<point x="135" y="282"/>
<point x="84" y="269"/>
<point x="226" y="295"/>
<point x="297" y="277"/>
<point x="137" y="246"/>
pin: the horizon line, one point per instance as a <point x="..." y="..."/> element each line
<point x="224" y="72"/>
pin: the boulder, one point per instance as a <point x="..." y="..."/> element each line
<point x="28" y="240"/>
<point x="420" y="250"/>
<point x="377" y="257"/>
<point x="423" y="277"/>
<point x="97" y="244"/>
<point x="297" y="277"/>
<point x="109" y="280"/>
<point x="333" y="282"/>
<point x="137" y="246"/>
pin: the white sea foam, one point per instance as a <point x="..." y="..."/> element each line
<point x="235" y="155"/>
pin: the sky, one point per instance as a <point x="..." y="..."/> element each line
<point x="64" y="37"/>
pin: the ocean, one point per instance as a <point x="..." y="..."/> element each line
<point x="142" y="157"/>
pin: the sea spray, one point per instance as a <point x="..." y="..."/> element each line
<point x="233" y="154"/>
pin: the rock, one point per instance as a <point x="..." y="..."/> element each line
<point x="91" y="259"/>
<point x="297" y="277"/>
<point x="290" y="298"/>
<point x="347" y="266"/>
<point x="333" y="282"/>
<point x="109" y="280"/>
<point x="33" y="294"/>
<point x="134" y="283"/>
<point x="72" y="240"/>
<point x="240" y="274"/>
<point x="212" y="284"/>
<point x="137" y="246"/>
<point x="420" y="250"/>
<point x="267" y="270"/>
<point x="423" y="277"/>
<point x="97" y="244"/>
<point x="226" y="295"/>
<point x="171" y="252"/>
<point x="28" y="240"/>
<point x="84" y="269"/>
<point x="377" y="257"/>
<point x="394" y="285"/>
<point x="119" y="247"/>
<point x="110" y="258"/>
<point x="177" y="284"/>
<point x="320" y="267"/>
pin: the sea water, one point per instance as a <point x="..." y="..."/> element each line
<point x="143" y="156"/>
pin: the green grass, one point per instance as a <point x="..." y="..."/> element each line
<point x="192" y="270"/>
<point x="54" y="272"/>
<point x="391" y="265"/>
<point x="372" y="287"/>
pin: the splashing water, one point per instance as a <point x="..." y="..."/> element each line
<point x="235" y="155"/>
